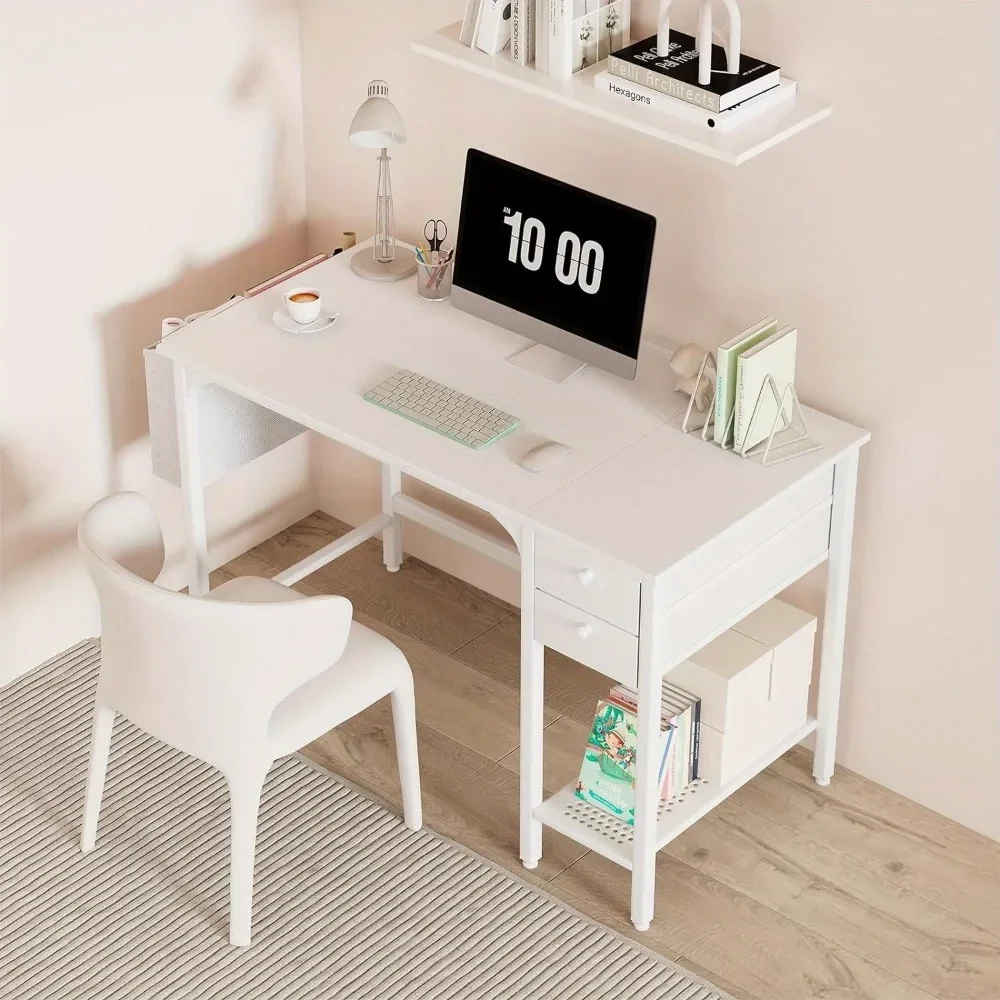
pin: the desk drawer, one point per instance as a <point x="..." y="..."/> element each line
<point x="570" y="572"/>
<point x="716" y="556"/>
<point x="586" y="638"/>
<point x="693" y="621"/>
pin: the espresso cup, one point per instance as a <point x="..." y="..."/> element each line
<point x="303" y="304"/>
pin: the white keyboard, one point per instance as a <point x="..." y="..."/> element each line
<point x="464" y="419"/>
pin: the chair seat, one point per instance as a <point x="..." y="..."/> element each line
<point x="370" y="667"/>
<point x="254" y="590"/>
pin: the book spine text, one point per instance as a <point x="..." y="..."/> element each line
<point x="642" y="97"/>
<point x="721" y="388"/>
<point x="516" y="42"/>
<point x="528" y="31"/>
<point x="697" y="741"/>
<point x="559" y="37"/>
<point x="652" y="80"/>
<point x="542" y="36"/>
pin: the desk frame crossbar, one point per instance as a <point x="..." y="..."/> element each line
<point x="395" y="506"/>
<point x="457" y="530"/>
<point x="338" y="547"/>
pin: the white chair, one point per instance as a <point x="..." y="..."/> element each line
<point x="249" y="673"/>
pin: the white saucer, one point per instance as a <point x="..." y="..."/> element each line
<point x="285" y="322"/>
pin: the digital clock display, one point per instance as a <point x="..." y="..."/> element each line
<point x="555" y="252"/>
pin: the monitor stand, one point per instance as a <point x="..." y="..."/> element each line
<point x="544" y="361"/>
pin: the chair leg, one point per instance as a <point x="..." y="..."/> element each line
<point x="404" y="718"/>
<point x="100" y="750"/>
<point x="244" y="803"/>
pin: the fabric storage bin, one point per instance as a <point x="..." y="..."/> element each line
<point x="753" y="681"/>
<point x="233" y="430"/>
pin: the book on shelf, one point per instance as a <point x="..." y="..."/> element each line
<point x="726" y="358"/>
<point x="493" y="29"/>
<point x="542" y="35"/>
<point x="522" y="32"/>
<point x="676" y="73"/>
<point x="774" y="357"/>
<point x="607" y="775"/>
<point x="672" y="751"/>
<point x="681" y="711"/>
<point x="470" y="22"/>
<point x="692" y="702"/>
<point x="724" y="121"/>
<point x="560" y="42"/>
<point x="577" y="34"/>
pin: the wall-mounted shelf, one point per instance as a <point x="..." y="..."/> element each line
<point x="579" y="92"/>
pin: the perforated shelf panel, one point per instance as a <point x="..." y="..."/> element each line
<point x="603" y="833"/>
<point x="613" y="830"/>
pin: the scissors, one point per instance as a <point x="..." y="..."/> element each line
<point x="438" y="233"/>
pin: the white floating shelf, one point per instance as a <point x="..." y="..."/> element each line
<point x="579" y="92"/>
<point x="601" y="832"/>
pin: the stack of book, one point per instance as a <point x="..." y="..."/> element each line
<point x="560" y="37"/>
<point x="668" y="82"/>
<point x="745" y="406"/>
<point x="607" y="776"/>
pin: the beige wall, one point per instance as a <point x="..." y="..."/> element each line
<point x="876" y="233"/>
<point x="150" y="165"/>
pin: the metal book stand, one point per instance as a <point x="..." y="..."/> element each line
<point x="792" y="426"/>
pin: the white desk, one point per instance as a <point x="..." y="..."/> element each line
<point x="635" y="550"/>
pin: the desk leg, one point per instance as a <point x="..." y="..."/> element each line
<point x="647" y="792"/>
<point x="392" y="537"/>
<point x="532" y="707"/>
<point x="192" y="488"/>
<point x="835" y="617"/>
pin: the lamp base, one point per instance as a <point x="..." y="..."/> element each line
<point x="403" y="265"/>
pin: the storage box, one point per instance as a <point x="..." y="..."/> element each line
<point x="791" y="634"/>
<point x="753" y="681"/>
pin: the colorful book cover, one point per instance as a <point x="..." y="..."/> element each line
<point x="607" y="777"/>
<point x="626" y="697"/>
<point x="774" y="357"/>
<point x="680" y="711"/>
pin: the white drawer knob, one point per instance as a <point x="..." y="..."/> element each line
<point x="585" y="631"/>
<point x="585" y="576"/>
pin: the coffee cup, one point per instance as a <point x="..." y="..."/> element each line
<point x="303" y="304"/>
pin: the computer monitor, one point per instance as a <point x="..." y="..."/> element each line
<point x="560" y="265"/>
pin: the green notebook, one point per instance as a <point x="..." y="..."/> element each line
<point x="726" y="359"/>
<point x="774" y="357"/>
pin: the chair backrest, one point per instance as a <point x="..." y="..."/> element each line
<point x="200" y="674"/>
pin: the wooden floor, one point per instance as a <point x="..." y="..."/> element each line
<point x="785" y="892"/>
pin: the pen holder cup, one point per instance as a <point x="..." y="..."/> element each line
<point x="434" y="280"/>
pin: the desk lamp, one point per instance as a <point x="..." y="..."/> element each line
<point x="377" y="125"/>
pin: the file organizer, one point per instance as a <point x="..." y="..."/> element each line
<point x="795" y="440"/>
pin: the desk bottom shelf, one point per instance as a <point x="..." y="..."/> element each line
<point x="600" y="832"/>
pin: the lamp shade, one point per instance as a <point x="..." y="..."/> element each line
<point x="377" y="122"/>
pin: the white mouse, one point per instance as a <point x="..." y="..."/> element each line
<point x="543" y="455"/>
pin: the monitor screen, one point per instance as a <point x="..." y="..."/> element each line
<point x="557" y="253"/>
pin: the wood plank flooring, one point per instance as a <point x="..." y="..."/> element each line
<point x="787" y="891"/>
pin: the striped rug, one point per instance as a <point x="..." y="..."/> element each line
<point x="348" y="903"/>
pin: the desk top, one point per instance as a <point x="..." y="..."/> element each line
<point x="634" y="487"/>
